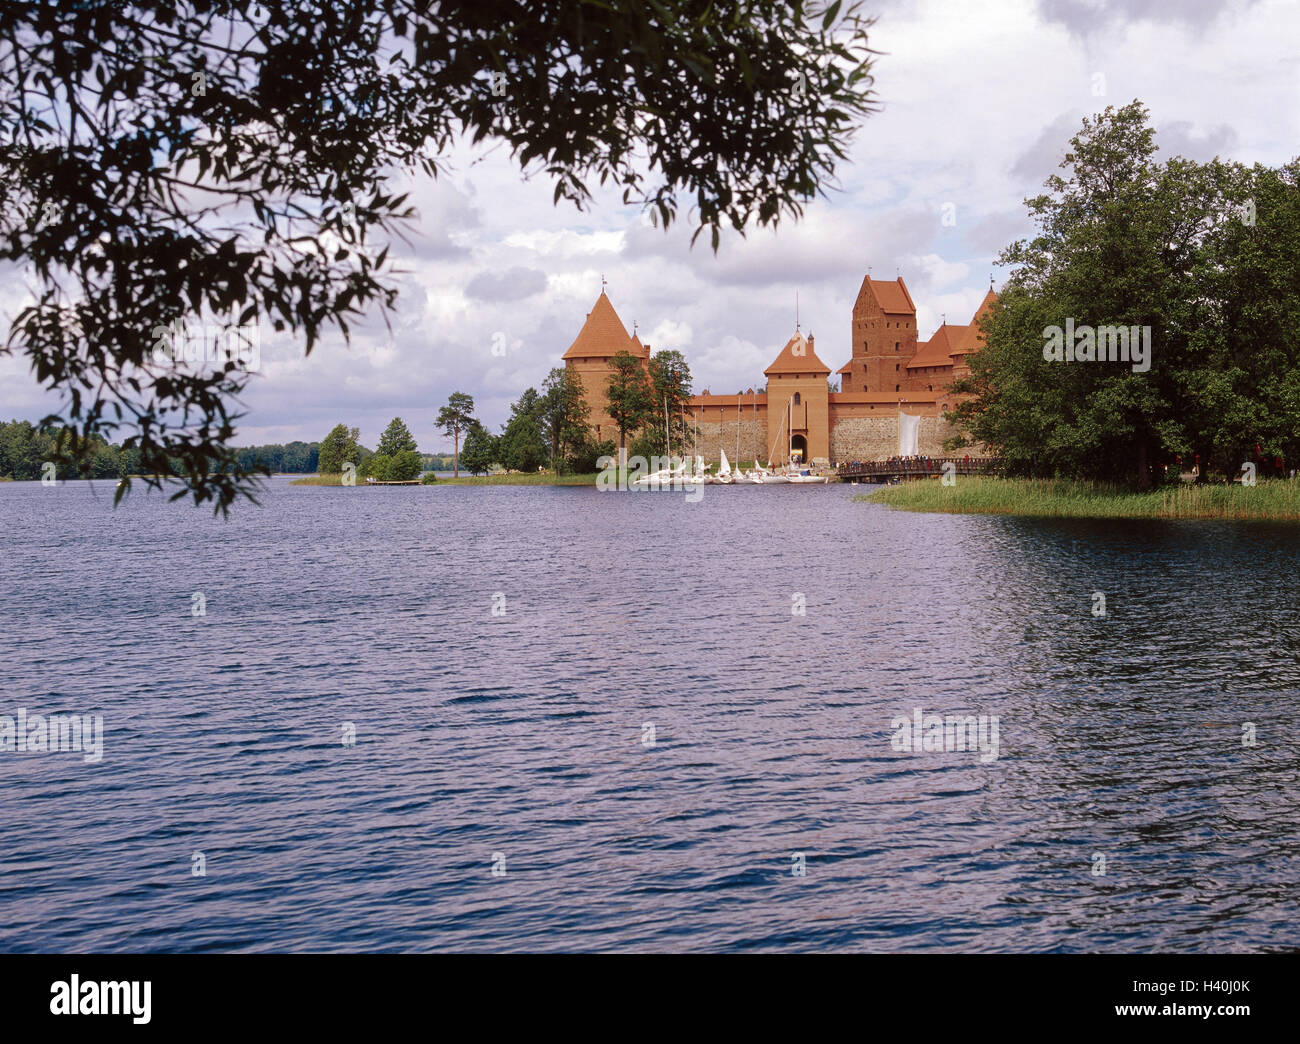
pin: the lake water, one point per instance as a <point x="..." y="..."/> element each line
<point x="651" y="741"/>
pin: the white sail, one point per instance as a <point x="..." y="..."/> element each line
<point x="724" y="468"/>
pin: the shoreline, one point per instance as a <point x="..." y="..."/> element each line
<point x="546" y="479"/>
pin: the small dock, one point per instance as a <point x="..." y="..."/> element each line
<point x="403" y="482"/>
<point x="913" y="467"/>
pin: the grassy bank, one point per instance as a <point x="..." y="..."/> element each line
<point x="470" y="480"/>
<point x="1053" y="498"/>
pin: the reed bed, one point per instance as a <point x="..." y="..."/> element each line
<point x="1277" y="499"/>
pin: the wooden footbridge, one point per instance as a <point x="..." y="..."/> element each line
<point x="915" y="467"/>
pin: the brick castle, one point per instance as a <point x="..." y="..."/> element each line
<point x="889" y="373"/>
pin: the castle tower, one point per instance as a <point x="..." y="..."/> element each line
<point x="601" y="338"/>
<point x="883" y="337"/>
<point x="798" y="406"/>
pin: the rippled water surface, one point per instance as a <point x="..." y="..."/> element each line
<point x="523" y="737"/>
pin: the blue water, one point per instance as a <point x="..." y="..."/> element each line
<point x="523" y="736"/>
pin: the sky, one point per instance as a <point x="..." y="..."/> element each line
<point x="978" y="102"/>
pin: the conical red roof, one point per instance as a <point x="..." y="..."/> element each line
<point x="602" y="335"/>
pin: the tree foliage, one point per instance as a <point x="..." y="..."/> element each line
<point x="480" y="449"/>
<point x="397" y="438"/>
<point x="339" y="447"/>
<point x="229" y="164"/>
<point x="521" y="445"/>
<point x="629" y="395"/>
<point x="1207" y="255"/>
<point x="564" y="417"/>
<point x="454" y="418"/>
<point x="670" y="385"/>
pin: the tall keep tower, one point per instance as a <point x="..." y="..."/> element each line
<point x="883" y="338"/>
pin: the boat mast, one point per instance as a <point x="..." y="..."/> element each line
<point x="668" y="435"/>
<point x="789" y="431"/>
<point x="772" y="448"/>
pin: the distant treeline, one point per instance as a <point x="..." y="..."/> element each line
<point x="298" y="458"/>
<point x="24" y="448"/>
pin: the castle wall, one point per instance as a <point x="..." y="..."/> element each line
<point x="874" y="436"/>
<point x="720" y="434"/>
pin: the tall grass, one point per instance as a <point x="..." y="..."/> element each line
<point x="1059" y="498"/>
<point x="323" y="480"/>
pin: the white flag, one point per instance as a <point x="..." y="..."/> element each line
<point x="909" y="430"/>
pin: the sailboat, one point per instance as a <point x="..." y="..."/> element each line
<point x="724" y="476"/>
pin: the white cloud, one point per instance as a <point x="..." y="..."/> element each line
<point x="979" y="103"/>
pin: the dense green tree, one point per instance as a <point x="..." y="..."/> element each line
<point x="522" y="445"/>
<point x="670" y="383"/>
<point x="397" y="438"/>
<point x="583" y="456"/>
<point x="1127" y="241"/>
<point x="405" y="465"/>
<point x="23" y="448"/>
<point x="480" y="449"/>
<point x="630" y="397"/>
<point x="378" y="466"/>
<point x="248" y="150"/>
<point x="454" y="418"/>
<point x="339" y="447"/>
<point x="564" y="414"/>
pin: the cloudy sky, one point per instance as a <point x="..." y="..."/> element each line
<point x="979" y="101"/>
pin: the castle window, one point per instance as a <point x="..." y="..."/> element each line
<point x="895" y="346"/>
<point x="896" y="365"/>
<point x="897" y="388"/>
<point x="796" y="398"/>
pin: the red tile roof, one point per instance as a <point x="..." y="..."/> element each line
<point x="937" y="351"/>
<point x="602" y="335"/>
<point x="891" y="295"/>
<point x="798" y="357"/>
<point x="972" y="340"/>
